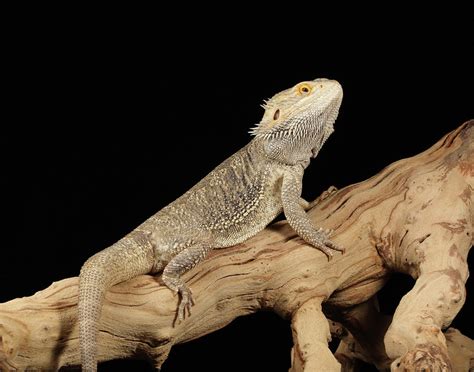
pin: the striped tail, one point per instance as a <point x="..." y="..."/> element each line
<point x="126" y="259"/>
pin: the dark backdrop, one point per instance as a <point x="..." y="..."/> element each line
<point x="111" y="123"/>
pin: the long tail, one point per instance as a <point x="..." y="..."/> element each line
<point x="129" y="257"/>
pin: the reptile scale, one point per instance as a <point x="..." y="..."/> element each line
<point x="234" y="202"/>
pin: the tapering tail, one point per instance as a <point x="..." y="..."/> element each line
<point x="129" y="257"/>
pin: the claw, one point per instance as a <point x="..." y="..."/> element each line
<point x="185" y="303"/>
<point x="326" y="243"/>
<point x="329" y="254"/>
<point x="335" y="247"/>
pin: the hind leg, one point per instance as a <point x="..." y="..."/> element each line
<point x="180" y="264"/>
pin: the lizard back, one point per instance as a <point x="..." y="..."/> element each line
<point x="232" y="203"/>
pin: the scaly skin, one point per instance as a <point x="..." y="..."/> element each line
<point x="232" y="203"/>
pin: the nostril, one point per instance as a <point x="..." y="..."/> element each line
<point x="321" y="85"/>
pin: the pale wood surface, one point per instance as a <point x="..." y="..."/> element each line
<point x="415" y="216"/>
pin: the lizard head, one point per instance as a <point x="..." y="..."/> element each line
<point x="298" y="121"/>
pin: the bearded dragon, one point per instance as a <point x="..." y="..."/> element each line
<point x="235" y="201"/>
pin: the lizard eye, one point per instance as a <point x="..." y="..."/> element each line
<point x="304" y="89"/>
<point x="276" y="115"/>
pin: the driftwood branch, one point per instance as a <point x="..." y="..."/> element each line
<point x="415" y="216"/>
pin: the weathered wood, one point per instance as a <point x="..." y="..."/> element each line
<point x="311" y="335"/>
<point x="415" y="216"/>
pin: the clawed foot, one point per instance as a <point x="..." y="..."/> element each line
<point x="324" y="195"/>
<point x="325" y="244"/>
<point x="185" y="303"/>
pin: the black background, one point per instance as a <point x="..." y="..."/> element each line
<point x="112" y="119"/>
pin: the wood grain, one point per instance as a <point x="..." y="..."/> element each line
<point x="415" y="217"/>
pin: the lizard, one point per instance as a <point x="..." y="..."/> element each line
<point x="234" y="202"/>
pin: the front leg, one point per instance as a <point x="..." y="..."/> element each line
<point x="306" y="205"/>
<point x="180" y="264"/>
<point x="324" y="195"/>
<point x="297" y="218"/>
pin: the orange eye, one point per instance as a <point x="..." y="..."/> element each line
<point x="304" y="89"/>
